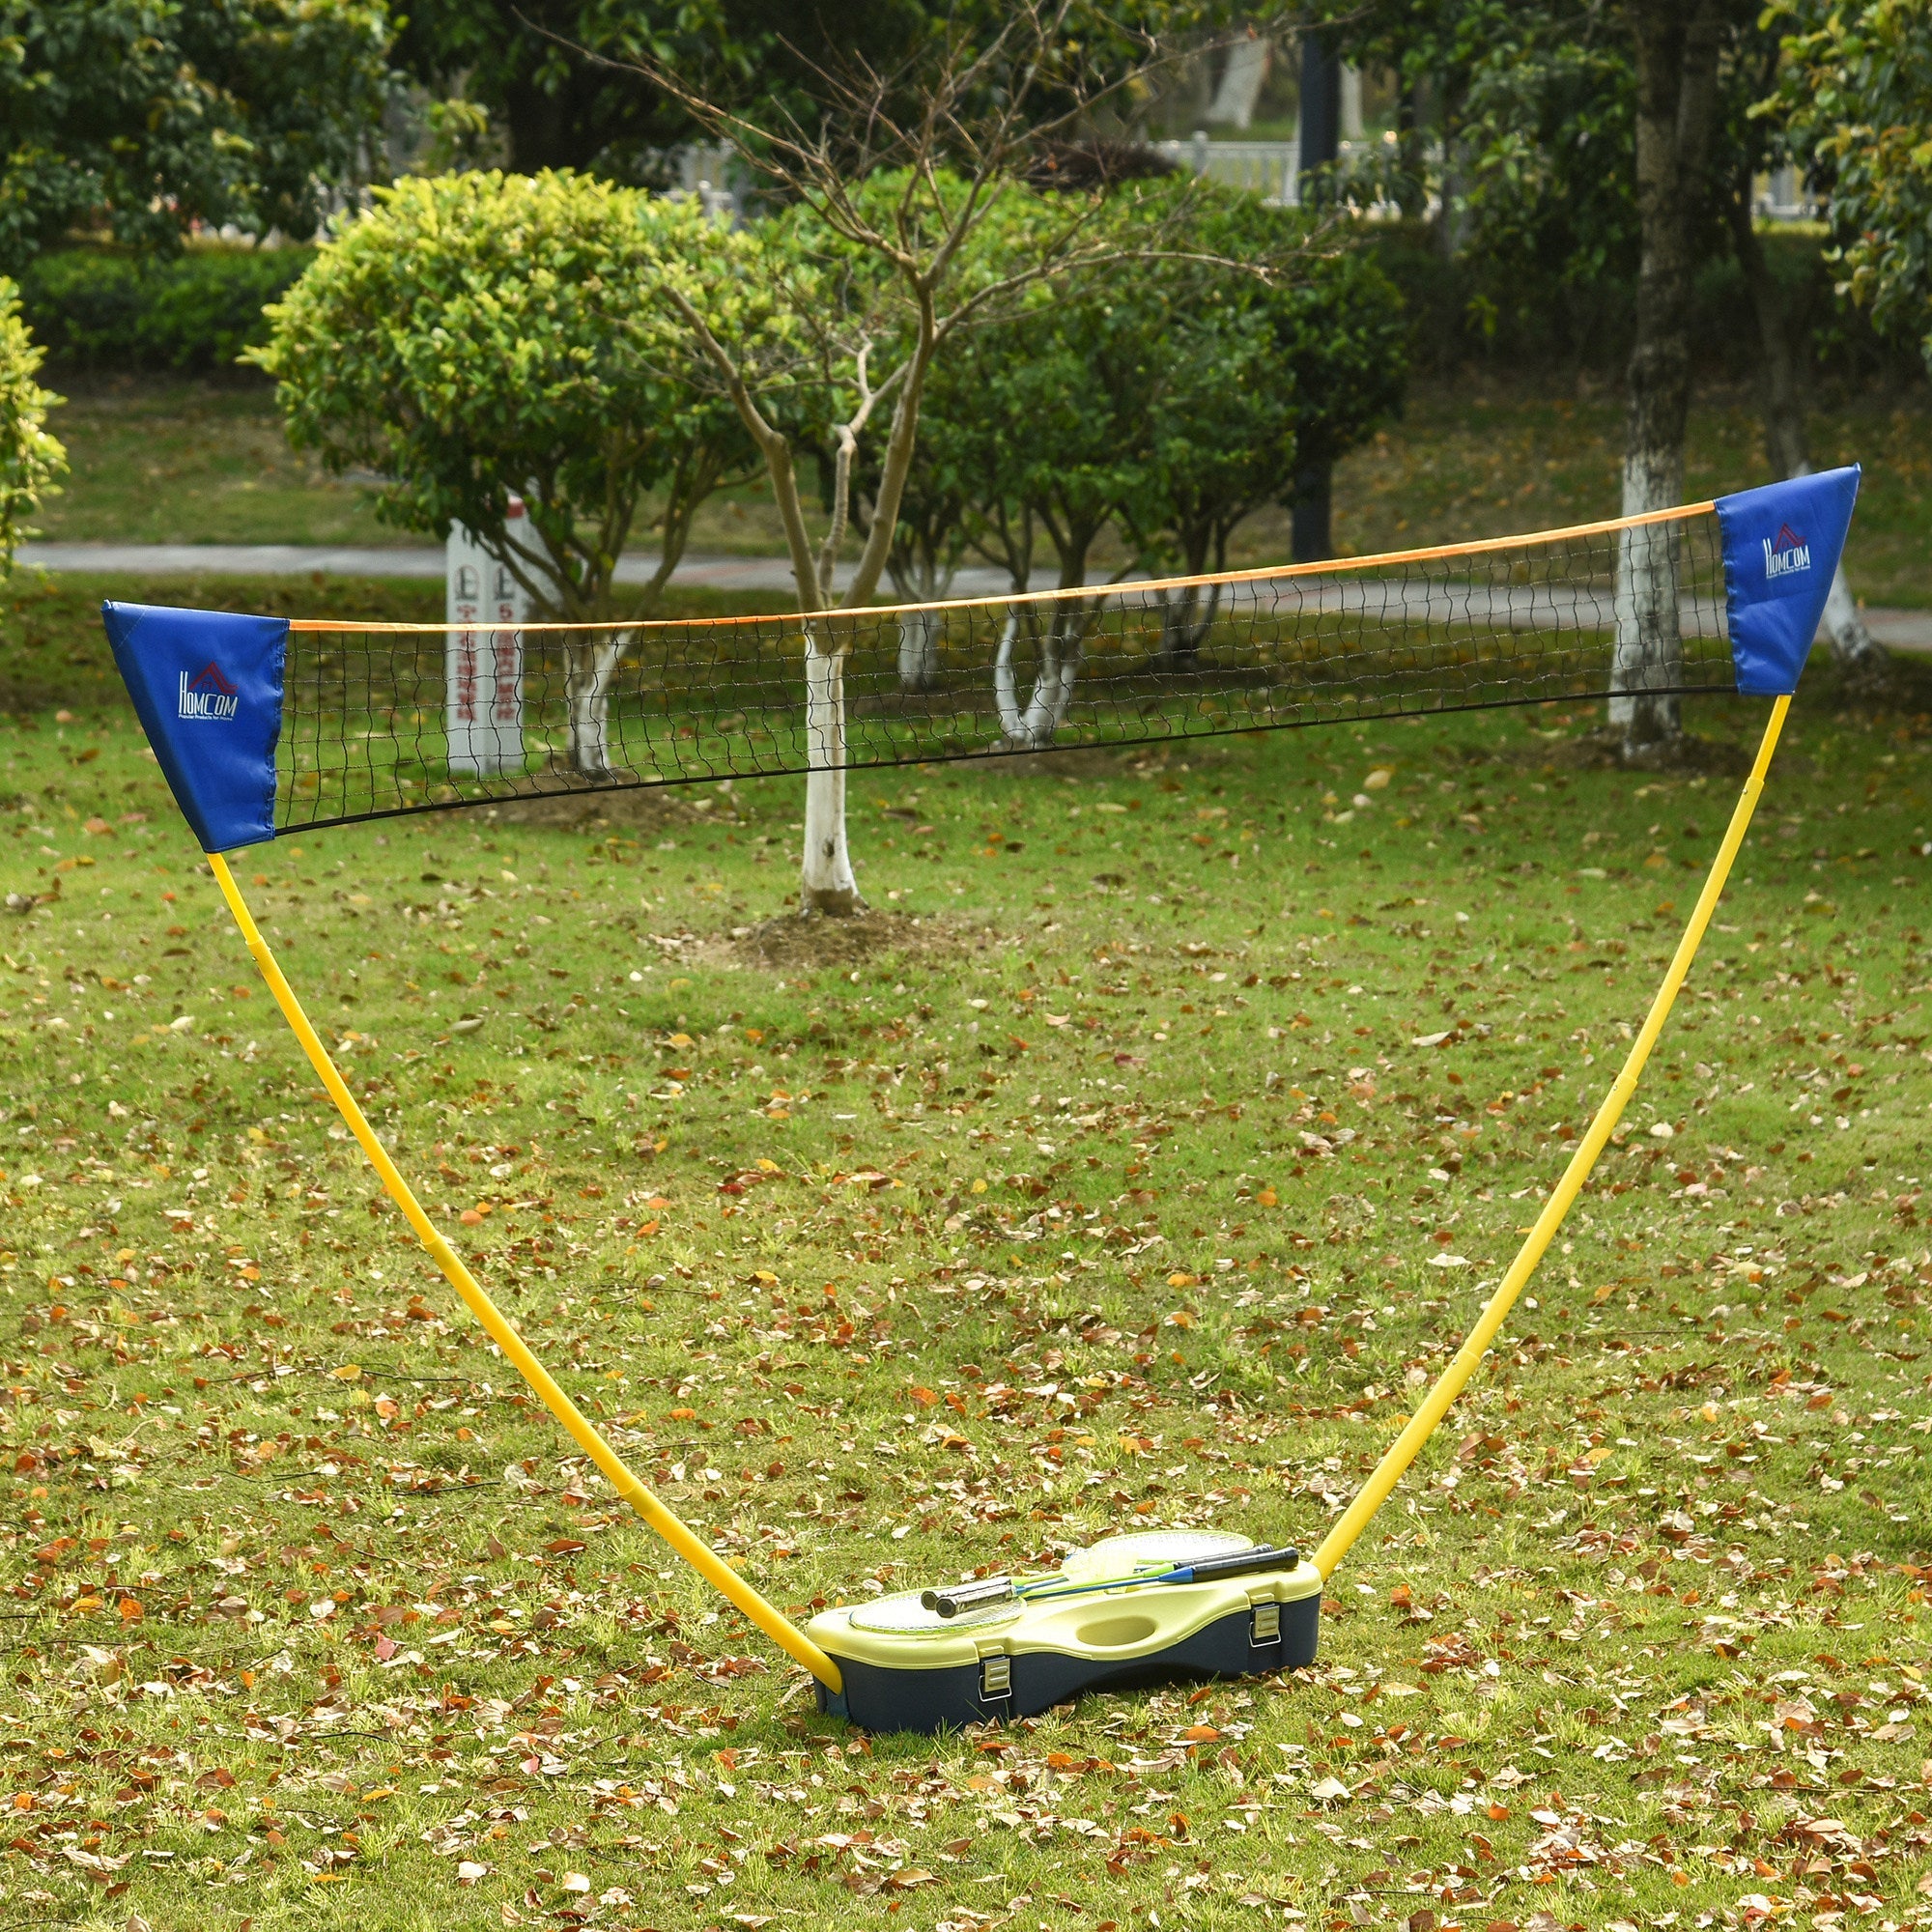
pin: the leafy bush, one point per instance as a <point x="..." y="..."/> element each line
<point x="199" y="311"/>
<point x="496" y="345"/>
<point x="479" y="335"/>
<point x="30" y="459"/>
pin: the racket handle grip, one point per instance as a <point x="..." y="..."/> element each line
<point x="1244" y="1563"/>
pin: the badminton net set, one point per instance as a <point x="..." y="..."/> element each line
<point x="266" y="726"/>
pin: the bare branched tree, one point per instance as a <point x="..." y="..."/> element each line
<point x="902" y="171"/>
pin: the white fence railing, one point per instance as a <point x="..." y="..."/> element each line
<point x="1270" y="169"/>
<point x="1266" y="168"/>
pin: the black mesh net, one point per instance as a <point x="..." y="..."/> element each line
<point x="381" y="719"/>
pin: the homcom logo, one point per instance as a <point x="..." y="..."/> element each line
<point x="208" y="694"/>
<point x="1785" y="554"/>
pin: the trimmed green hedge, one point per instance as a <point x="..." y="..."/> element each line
<point x="96" y="309"/>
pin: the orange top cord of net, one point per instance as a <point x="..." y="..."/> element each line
<point x="1089" y="593"/>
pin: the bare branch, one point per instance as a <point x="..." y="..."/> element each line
<point x="777" y="450"/>
<point x="841" y="474"/>
<point x="952" y="109"/>
<point x="943" y="76"/>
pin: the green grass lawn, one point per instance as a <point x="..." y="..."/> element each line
<point x="177" y="461"/>
<point x="1101" y="1181"/>
<point x="191" y="463"/>
<point x="1484" y="459"/>
<point x="183" y="461"/>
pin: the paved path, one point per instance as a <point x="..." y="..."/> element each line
<point x="715" y="573"/>
<point x="1520" y="608"/>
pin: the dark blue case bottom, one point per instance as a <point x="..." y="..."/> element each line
<point x="879" y="1699"/>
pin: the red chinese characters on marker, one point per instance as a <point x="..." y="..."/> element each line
<point x="483" y="661"/>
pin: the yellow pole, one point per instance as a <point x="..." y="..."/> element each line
<point x="708" y="1565"/>
<point x="1422" y="1425"/>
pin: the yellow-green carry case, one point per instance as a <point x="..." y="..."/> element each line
<point x="905" y="1668"/>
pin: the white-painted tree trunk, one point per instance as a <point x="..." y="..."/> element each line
<point x="1033" y="729"/>
<point x="1853" y="646"/>
<point x="591" y="668"/>
<point x="827" y="884"/>
<point x="1858" y="655"/>
<point x="1649" y="646"/>
<point x="920" y="632"/>
<point x="920" y="581"/>
<point x="1242" y="78"/>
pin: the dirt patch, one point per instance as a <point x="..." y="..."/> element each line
<point x="594" y="808"/>
<point x="1899" y="698"/>
<point x="21" y="697"/>
<point x="799" y="942"/>
<point x="1603" y="750"/>
<point x="1084" y="761"/>
<point x="1090" y="763"/>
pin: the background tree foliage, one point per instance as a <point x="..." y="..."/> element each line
<point x="901" y="169"/>
<point x="1160" y="405"/>
<point x="1593" y="149"/>
<point x="1264" y="379"/>
<point x="30" y="457"/>
<point x="567" y="82"/>
<point x="553" y="107"/>
<point x="147" y="117"/>
<point x="1172" y="401"/>
<point x="1858" y="88"/>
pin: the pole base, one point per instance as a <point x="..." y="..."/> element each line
<point x="905" y="1668"/>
